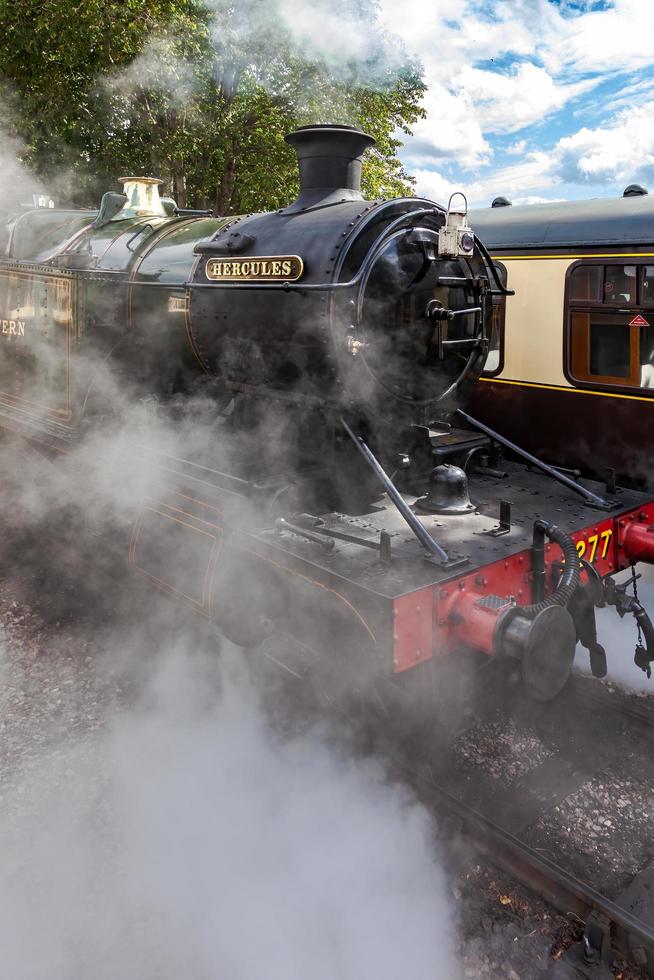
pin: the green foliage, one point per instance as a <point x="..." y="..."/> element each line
<point x="198" y="93"/>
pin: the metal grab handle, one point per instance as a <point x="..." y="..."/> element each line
<point x="137" y="234"/>
<point x="471" y="309"/>
<point x="422" y="534"/>
<point x="592" y="498"/>
<point x="327" y="544"/>
<point x="463" y="342"/>
<point x="500" y="290"/>
<point x="438" y="315"/>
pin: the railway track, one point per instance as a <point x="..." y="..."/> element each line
<point x="589" y="733"/>
<point x="496" y="822"/>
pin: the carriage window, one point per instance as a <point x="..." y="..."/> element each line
<point x="609" y="348"/>
<point x="585" y="282"/>
<point x="495" y="358"/>
<point x="647" y="286"/>
<point x="620" y="284"/>
<point x="602" y="348"/>
<point x="611" y="324"/>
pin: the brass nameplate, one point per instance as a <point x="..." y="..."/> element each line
<point x="259" y="268"/>
<point x="13" y="328"/>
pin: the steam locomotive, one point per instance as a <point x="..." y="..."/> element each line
<point x="340" y="497"/>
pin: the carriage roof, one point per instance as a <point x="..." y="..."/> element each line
<point x="563" y="224"/>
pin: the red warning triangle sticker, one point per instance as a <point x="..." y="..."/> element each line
<point x="638" y="321"/>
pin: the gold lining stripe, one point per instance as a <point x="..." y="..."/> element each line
<point x="320" y="585"/>
<point x="586" y="255"/>
<point x="162" y="503"/>
<point x="571" y="388"/>
<point x="211" y="564"/>
<point x="195" y="500"/>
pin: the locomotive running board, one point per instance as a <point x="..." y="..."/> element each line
<point x="592" y="499"/>
<point x="435" y="554"/>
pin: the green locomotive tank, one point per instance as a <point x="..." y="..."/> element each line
<point x="68" y="298"/>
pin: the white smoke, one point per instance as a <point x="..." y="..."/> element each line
<point x="269" y="42"/>
<point x="350" y="40"/>
<point x="619" y="637"/>
<point x="157" y="67"/>
<point x="17" y="186"/>
<point x="185" y="839"/>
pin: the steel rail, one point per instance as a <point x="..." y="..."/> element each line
<point x="541" y="875"/>
<point x="629" y="935"/>
<point x="640" y="718"/>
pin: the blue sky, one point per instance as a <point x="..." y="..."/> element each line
<point x="532" y="99"/>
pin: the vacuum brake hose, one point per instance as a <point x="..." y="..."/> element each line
<point x="645" y="624"/>
<point x="569" y="580"/>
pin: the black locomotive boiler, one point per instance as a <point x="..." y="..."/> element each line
<point x="340" y="497"/>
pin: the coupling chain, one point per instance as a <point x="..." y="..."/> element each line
<point x="640" y="649"/>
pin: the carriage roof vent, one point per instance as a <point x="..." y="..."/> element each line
<point x="330" y="159"/>
<point x="501" y="202"/>
<point x="143" y="199"/>
<point x="634" y="190"/>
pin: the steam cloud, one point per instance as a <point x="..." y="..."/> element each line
<point x="347" y="39"/>
<point x="17" y="185"/>
<point x="618" y="637"/>
<point x="184" y="839"/>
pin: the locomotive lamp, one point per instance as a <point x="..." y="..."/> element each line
<point x="456" y="238"/>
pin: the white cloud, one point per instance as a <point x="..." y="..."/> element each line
<point x="449" y="44"/>
<point x="620" y="38"/>
<point x="510" y="101"/>
<point x="536" y="199"/>
<point x="630" y="95"/>
<point x="623" y="151"/>
<point x="603" y="159"/>
<point x="450" y="130"/>
<point x="518" y="148"/>
<point x="435" y="186"/>
<point x="516" y="181"/>
<point x="493" y="69"/>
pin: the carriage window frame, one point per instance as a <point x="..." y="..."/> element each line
<point x="574" y="349"/>
<point x="499" y="312"/>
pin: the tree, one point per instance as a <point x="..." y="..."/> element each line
<point x="198" y="92"/>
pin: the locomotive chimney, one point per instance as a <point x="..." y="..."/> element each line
<point x="330" y="163"/>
